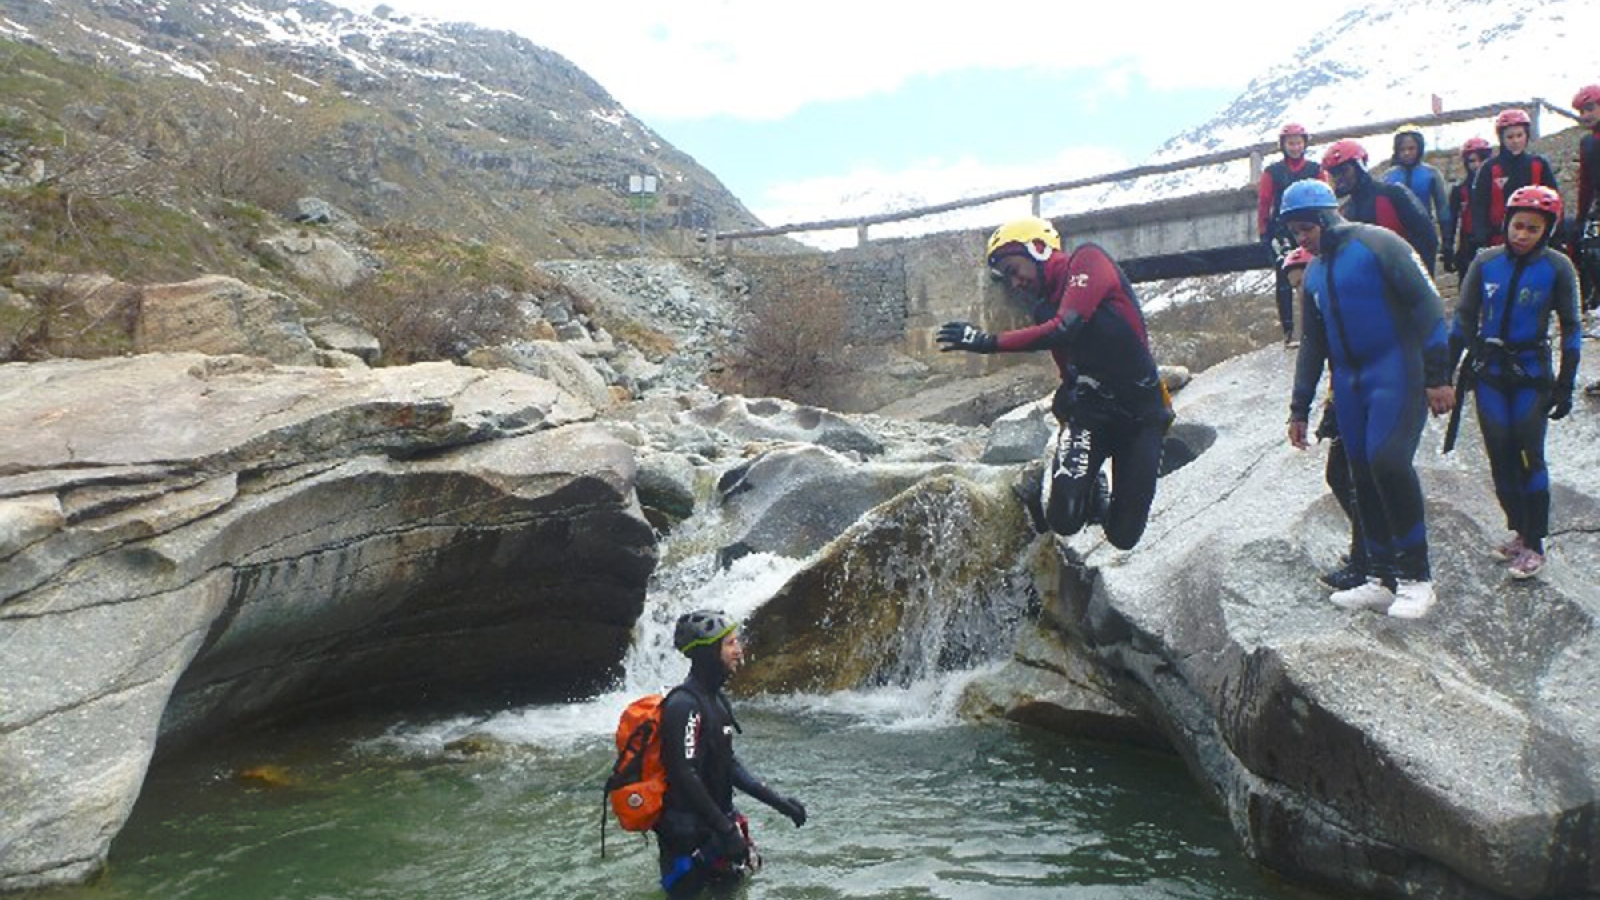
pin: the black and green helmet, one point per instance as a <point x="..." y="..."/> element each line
<point x="701" y="628"/>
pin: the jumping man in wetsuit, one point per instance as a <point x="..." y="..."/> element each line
<point x="1111" y="404"/>
<point x="703" y="839"/>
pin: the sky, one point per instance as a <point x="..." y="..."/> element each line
<point x="835" y="107"/>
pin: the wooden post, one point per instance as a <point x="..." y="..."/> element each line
<point x="1036" y="199"/>
<point x="1255" y="167"/>
<point x="861" y="234"/>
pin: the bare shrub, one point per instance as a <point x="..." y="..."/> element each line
<point x="438" y="298"/>
<point x="789" y="344"/>
<point x="241" y="139"/>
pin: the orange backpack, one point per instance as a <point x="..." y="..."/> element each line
<point x="637" y="787"/>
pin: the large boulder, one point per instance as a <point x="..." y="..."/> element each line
<point x="189" y="542"/>
<point x="929" y="581"/>
<point x="1456" y="756"/>
<point x="219" y="315"/>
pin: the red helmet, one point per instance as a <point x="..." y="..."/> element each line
<point x="1536" y="197"/>
<point x="1510" y="117"/>
<point x="1589" y="93"/>
<point x="1296" y="258"/>
<point x="1475" y="145"/>
<point x="1293" y="129"/>
<point x="1342" y="152"/>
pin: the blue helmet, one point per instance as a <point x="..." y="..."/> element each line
<point x="1305" y="200"/>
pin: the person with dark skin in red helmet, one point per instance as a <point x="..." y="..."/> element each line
<point x="1507" y="298"/>
<point x="1455" y="229"/>
<point x="1374" y="202"/>
<point x="1513" y="167"/>
<point x="1275" y="179"/>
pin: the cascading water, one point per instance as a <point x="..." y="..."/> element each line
<point x="906" y="801"/>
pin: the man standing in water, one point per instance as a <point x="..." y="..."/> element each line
<point x="703" y="840"/>
<point x="1111" y="403"/>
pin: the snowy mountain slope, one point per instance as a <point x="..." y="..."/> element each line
<point x="1379" y="62"/>
<point x="1386" y="61"/>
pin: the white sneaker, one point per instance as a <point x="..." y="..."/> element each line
<point x="1413" y="599"/>
<point x="1373" y="594"/>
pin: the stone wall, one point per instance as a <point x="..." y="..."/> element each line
<point x="898" y="292"/>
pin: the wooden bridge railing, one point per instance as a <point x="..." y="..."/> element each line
<point x="1255" y="153"/>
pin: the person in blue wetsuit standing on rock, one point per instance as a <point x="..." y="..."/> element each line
<point x="1111" y="403"/>
<point x="1503" y="321"/>
<point x="1374" y="317"/>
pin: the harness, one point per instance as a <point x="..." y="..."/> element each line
<point x="1498" y="363"/>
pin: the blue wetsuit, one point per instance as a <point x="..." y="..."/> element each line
<point x="1504" y="316"/>
<point x="1374" y="316"/>
<point x="1426" y="184"/>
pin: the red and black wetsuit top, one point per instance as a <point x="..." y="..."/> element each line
<point x="1496" y="181"/>
<point x="1588" y="173"/>
<point x="1275" y="179"/>
<point x="1089" y="320"/>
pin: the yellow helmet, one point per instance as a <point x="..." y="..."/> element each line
<point x="1037" y="236"/>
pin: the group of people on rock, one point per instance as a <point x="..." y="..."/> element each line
<point x="1361" y="255"/>
<point x="1357" y="254"/>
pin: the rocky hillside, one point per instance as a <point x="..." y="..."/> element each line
<point x="471" y="131"/>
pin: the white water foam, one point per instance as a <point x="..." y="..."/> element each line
<point x="651" y="664"/>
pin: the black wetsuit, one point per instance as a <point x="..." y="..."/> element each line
<point x="1586" y="242"/>
<point x="697" y="728"/>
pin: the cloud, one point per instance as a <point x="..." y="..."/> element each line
<point x="756" y="60"/>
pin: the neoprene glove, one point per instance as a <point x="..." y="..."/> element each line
<point x="1560" y="403"/>
<point x="965" y="336"/>
<point x="1448" y="261"/>
<point x="792" y="808"/>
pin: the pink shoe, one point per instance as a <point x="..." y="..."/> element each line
<point x="1527" y="564"/>
<point x="1510" y="550"/>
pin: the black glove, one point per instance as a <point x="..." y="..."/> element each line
<point x="1448" y="261"/>
<point x="964" y="336"/>
<point x="729" y="844"/>
<point x="1560" y="403"/>
<point x="792" y="808"/>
